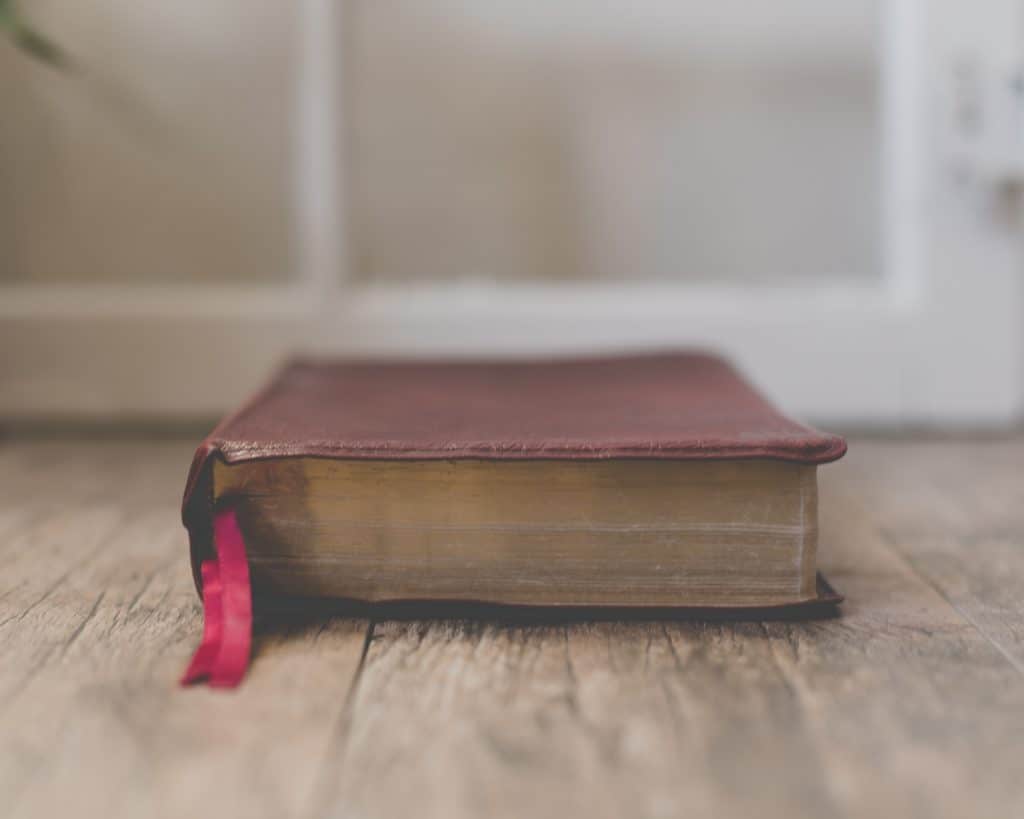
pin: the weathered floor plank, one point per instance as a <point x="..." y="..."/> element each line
<point x="910" y="704"/>
<point x="955" y="512"/>
<point x="97" y="619"/>
<point x="920" y="714"/>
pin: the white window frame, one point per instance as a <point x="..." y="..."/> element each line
<point x="937" y="339"/>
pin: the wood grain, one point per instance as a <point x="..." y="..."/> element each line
<point x="909" y="704"/>
<point x="97" y="618"/>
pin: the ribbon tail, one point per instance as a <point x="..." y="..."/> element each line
<point x="205" y="656"/>
<point x="223" y="653"/>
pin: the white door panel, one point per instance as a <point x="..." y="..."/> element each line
<point x="918" y="318"/>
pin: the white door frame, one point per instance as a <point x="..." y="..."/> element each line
<point x="937" y="339"/>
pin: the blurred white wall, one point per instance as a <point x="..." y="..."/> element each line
<point x="161" y="155"/>
<point x="468" y="178"/>
<point x="654" y="140"/>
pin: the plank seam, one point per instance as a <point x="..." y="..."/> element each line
<point x="342" y="726"/>
<point x="1017" y="665"/>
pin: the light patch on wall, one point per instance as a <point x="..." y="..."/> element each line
<point x="657" y="140"/>
<point x="162" y="155"/>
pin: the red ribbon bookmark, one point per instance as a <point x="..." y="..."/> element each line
<point x="223" y="653"/>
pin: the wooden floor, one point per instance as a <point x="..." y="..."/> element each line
<point x="909" y="704"/>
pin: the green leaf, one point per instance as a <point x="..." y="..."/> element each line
<point x="27" y="38"/>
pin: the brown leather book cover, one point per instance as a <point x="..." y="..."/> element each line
<point x="667" y="406"/>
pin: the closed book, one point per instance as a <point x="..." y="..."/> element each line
<point x="637" y="481"/>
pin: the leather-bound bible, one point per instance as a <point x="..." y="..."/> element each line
<point x="658" y="480"/>
<point x="643" y="481"/>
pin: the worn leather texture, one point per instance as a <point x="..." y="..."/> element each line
<point x="689" y="405"/>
